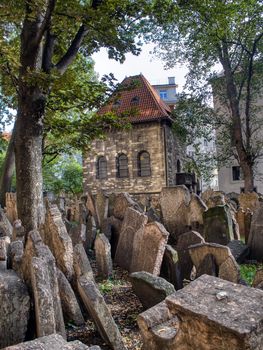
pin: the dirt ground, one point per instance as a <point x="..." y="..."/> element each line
<point x="124" y="306"/>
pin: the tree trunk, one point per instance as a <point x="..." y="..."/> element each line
<point x="237" y="137"/>
<point x="28" y="155"/>
<point x="8" y="169"/>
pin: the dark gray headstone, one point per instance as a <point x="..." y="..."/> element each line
<point x="239" y="250"/>
<point x="170" y="269"/>
<point x="255" y="239"/>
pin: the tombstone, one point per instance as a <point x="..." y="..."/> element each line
<point x="239" y="250"/>
<point x="5" y="226"/>
<point x="99" y="312"/>
<point x="52" y="342"/>
<point x="207" y="266"/>
<point x="14" y="308"/>
<point x="44" y="263"/>
<point x="102" y="206"/>
<point x="218" y="225"/>
<point x="18" y="231"/>
<point x="82" y="265"/>
<point x="249" y="201"/>
<point x="58" y="240"/>
<point x="115" y="227"/>
<point x="103" y="256"/>
<point x="258" y="279"/>
<point x="132" y="222"/>
<point x="170" y="269"/>
<point x="91" y="207"/>
<point x="91" y="232"/>
<point x="69" y="303"/>
<point x="150" y="289"/>
<point x="16" y="255"/>
<point x="11" y="208"/>
<point x="222" y="256"/>
<point x="184" y="241"/>
<point x="181" y="210"/>
<point x="121" y="202"/>
<point x="255" y="239"/>
<point x="148" y="248"/>
<point x="213" y="314"/>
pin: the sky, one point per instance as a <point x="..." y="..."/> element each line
<point x="151" y="67"/>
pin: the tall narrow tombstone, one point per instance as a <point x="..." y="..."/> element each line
<point x="170" y="269"/>
<point x="132" y="222"/>
<point x="255" y="239"/>
<point x="103" y="256"/>
<point x="148" y="248"/>
<point x="121" y="202"/>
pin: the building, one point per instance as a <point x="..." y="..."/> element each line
<point x="167" y="92"/>
<point x="143" y="159"/>
<point x="230" y="177"/>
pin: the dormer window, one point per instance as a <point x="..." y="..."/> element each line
<point x="135" y="100"/>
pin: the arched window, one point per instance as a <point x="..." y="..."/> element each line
<point x="101" y="167"/>
<point x="122" y="165"/>
<point x="135" y="100"/>
<point x="144" y="164"/>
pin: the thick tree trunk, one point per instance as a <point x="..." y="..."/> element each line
<point x="8" y="169"/>
<point x="28" y="154"/>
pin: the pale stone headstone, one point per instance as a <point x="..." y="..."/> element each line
<point x="11" y="208"/>
<point x="16" y="254"/>
<point x="213" y="314"/>
<point x="258" y="279"/>
<point x="148" y="248"/>
<point x="150" y="289"/>
<point x="249" y="201"/>
<point x="18" y="231"/>
<point x="69" y="303"/>
<point x="255" y="239"/>
<point x="100" y="313"/>
<point x="14" y="308"/>
<point x="103" y="256"/>
<point x="181" y="210"/>
<point x="170" y="269"/>
<point x="58" y="240"/>
<point x="82" y="265"/>
<point x="132" y="222"/>
<point x="184" y="241"/>
<point x="218" y="225"/>
<point x="121" y="202"/>
<point x="223" y="259"/>
<point x="102" y="206"/>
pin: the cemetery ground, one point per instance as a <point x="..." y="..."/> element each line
<point x="124" y="306"/>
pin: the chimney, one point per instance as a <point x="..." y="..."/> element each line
<point x="171" y="80"/>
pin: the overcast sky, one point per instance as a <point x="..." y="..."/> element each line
<point x="151" y="67"/>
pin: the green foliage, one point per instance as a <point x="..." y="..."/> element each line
<point x="248" y="272"/>
<point x="63" y="174"/>
<point x="107" y="286"/>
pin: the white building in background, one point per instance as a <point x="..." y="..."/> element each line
<point x="168" y="94"/>
<point x="230" y="177"/>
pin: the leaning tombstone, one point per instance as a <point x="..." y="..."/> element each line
<point x="170" y="269"/>
<point x="255" y="239"/>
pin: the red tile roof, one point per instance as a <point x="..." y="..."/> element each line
<point x="140" y="102"/>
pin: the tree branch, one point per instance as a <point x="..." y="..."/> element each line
<point x="48" y="51"/>
<point x="69" y="56"/>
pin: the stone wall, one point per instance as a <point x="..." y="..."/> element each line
<point x="141" y="137"/>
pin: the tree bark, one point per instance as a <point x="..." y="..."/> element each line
<point x="8" y="169"/>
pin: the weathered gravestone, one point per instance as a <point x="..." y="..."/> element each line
<point x="132" y="222"/>
<point x="258" y="279"/>
<point x="52" y="342"/>
<point x="218" y="225"/>
<point x="213" y="314"/>
<point x="18" y="231"/>
<point x="207" y="266"/>
<point x="150" y="289"/>
<point x="103" y="256"/>
<point x="39" y="272"/>
<point x="5" y="226"/>
<point x="184" y="241"/>
<point x="181" y="211"/>
<point x="239" y="250"/>
<point x="102" y="206"/>
<point x="148" y="248"/>
<point x="255" y="239"/>
<point x="170" y="269"/>
<point x="58" y="240"/>
<point x="11" y="208"/>
<point x="14" y="308"/>
<point x="223" y="262"/>
<point x="121" y="202"/>
<point x="69" y="303"/>
<point x="249" y="201"/>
